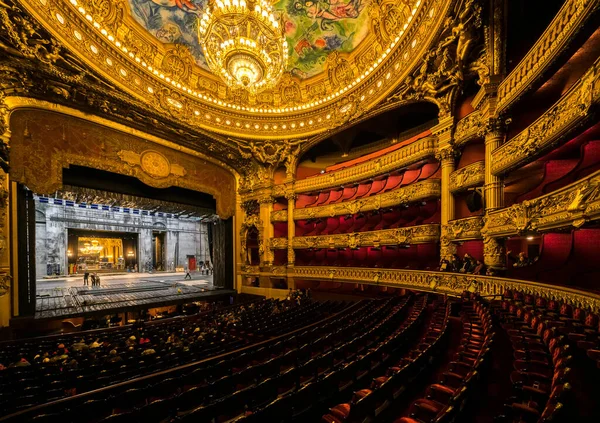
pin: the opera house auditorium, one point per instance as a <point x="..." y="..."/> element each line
<point x="335" y="211"/>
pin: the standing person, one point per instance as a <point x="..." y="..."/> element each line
<point x="93" y="278"/>
<point x="187" y="273"/>
<point x="86" y="276"/>
<point x="97" y="279"/>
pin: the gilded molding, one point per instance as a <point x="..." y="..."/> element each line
<point x="44" y="142"/>
<point x="167" y="77"/>
<point x="412" y="153"/>
<point x="569" y="20"/>
<point x="448" y="283"/>
<point x="470" y="176"/>
<point x="409" y="235"/>
<point x="464" y="229"/>
<point x="279" y="243"/>
<point x="556" y="122"/>
<point x="468" y="128"/>
<point x="572" y="205"/>
<point x="418" y="191"/>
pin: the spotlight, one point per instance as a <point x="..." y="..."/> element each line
<point x="322" y="171"/>
<point x="530" y="238"/>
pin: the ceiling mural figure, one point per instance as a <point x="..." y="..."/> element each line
<point x="313" y="28"/>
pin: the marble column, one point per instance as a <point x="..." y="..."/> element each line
<point x="264" y="242"/>
<point x="291" y="255"/>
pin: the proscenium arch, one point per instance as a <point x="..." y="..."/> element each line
<point x="75" y="138"/>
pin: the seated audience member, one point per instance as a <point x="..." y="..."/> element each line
<point x="444" y="265"/>
<point x="520" y="261"/>
<point x="468" y="264"/>
<point x="479" y="268"/>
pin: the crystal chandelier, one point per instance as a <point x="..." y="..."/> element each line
<point x="243" y="43"/>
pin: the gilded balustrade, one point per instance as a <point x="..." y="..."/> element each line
<point x="404" y="156"/>
<point x="409" y="235"/>
<point x="468" y="128"/>
<point x="569" y="20"/>
<point x="418" y="191"/>
<point x="554" y="124"/>
<point x="472" y="175"/>
<point x="278" y="243"/>
<point x="443" y="283"/>
<point x="572" y="205"/>
<point x="465" y="229"/>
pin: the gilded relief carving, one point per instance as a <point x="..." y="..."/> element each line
<point x="445" y="283"/>
<point x="43" y="143"/>
<point x="462" y="229"/>
<point x="572" y="205"/>
<point x="467" y="177"/>
<point x="418" y="191"/>
<point x="541" y="135"/>
<point x="568" y="22"/>
<point x="418" y="150"/>
<point x="468" y="128"/>
<point x="279" y="243"/>
<point x="409" y="235"/>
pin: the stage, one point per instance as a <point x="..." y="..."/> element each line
<point x="68" y="297"/>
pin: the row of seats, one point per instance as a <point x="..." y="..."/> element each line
<point x="376" y="186"/>
<point x="559" y="173"/>
<point x="201" y="388"/>
<point x="540" y="359"/>
<point x="445" y="399"/>
<point x="40" y="382"/>
<point x="388" y="218"/>
<point x="415" y="256"/>
<point x="371" y="402"/>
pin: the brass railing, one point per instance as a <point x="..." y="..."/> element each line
<point x="418" y="191"/>
<point x="569" y="20"/>
<point x="557" y="121"/>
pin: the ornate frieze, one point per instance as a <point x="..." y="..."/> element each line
<point x="412" y="153"/>
<point x="279" y="243"/>
<point x="470" y="176"/>
<point x="409" y="235"/>
<point x="448" y="283"/>
<point x="572" y="205"/>
<point x="570" y="19"/>
<point x="415" y="192"/>
<point x="557" y="121"/>
<point x="463" y="229"/>
<point x="468" y="128"/>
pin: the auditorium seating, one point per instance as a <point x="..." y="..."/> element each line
<point x="56" y="377"/>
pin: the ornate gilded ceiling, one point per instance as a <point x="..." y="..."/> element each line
<point x="346" y="57"/>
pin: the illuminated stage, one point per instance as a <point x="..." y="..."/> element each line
<point x="121" y="295"/>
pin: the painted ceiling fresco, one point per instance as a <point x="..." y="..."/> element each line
<point x="314" y="28"/>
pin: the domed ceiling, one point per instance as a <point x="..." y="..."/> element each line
<point x="345" y="58"/>
<point x="313" y="28"/>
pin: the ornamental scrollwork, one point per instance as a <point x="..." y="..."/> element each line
<point x="448" y="283"/>
<point x="542" y="134"/>
<point x="494" y="254"/>
<point x="418" y="150"/>
<point x="418" y="191"/>
<point x="279" y="243"/>
<point x="572" y="205"/>
<point x="398" y="236"/>
<point x="468" y="228"/>
<point x="472" y="175"/>
<point x="468" y="128"/>
<point x="570" y="19"/>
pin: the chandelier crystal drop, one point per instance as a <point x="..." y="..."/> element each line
<point x="243" y="43"/>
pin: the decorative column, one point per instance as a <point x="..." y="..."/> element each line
<point x="493" y="185"/>
<point x="291" y="255"/>
<point x="5" y="274"/>
<point x="264" y="239"/>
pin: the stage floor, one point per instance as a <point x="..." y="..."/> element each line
<point x="68" y="297"/>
